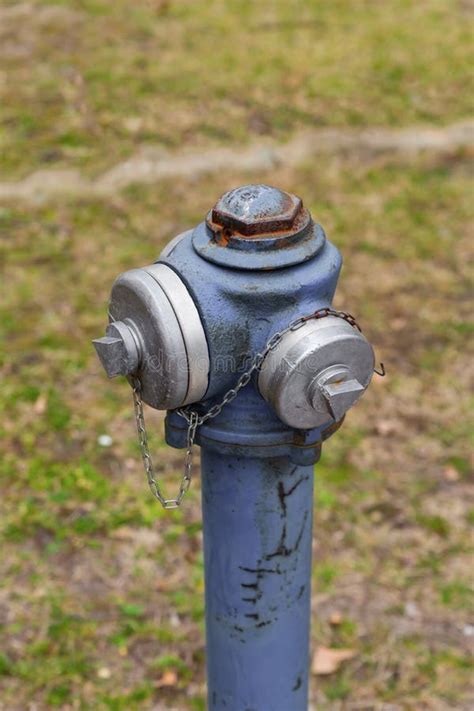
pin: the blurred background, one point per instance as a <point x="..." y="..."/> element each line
<point x="120" y="125"/>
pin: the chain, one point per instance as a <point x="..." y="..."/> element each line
<point x="146" y="457"/>
<point x="194" y="420"/>
<point x="258" y="359"/>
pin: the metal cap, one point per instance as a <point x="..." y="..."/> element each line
<point x="156" y="334"/>
<point x="258" y="227"/>
<point x="256" y="210"/>
<point x="317" y="373"/>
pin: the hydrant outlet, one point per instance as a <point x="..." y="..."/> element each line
<point x="156" y="334"/>
<point x="317" y="373"/>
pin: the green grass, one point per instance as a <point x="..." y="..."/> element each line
<point x="458" y="594"/>
<point x="185" y="73"/>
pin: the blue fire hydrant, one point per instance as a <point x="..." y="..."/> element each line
<point x="232" y="331"/>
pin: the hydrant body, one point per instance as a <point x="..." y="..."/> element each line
<point x="240" y="310"/>
<point x="258" y="277"/>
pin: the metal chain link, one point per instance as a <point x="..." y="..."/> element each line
<point x="195" y="420"/>
<point x="146" y="457"/>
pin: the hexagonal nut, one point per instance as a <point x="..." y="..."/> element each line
<point x="112" y="355"/>
<point x="341" y="396"/>
<point x="117" y="350"/>
<point x="257" y="209"/>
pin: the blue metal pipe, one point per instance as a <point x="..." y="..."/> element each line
<point x="257" y="522"/>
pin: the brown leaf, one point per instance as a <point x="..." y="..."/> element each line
<point x="397" y="324"/>
<point x="386" y="427"/>
<point x="335" y="619"/>
<point x="169" y="678"/>
<point x="328" y="661"/>
<point x="451" y="474"/>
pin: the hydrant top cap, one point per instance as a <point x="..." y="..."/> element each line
<point x="258" y="227"/>
<point x="253" y="210"/>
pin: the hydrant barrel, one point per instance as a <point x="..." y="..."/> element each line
<point x="257" y="520"/>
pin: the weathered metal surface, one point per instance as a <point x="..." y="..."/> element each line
<point x="240" y="309"/>
<point x="258" y="227"/>
<point x="265" y="253"/>
<point x="257" y="209"/>
<point x="249" y="427"/>
<point x="257" y="519"/>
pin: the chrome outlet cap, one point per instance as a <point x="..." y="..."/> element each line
<point x="317" y="373"/>
<point x="156" y="334"/>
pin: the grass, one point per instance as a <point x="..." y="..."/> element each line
<point x="178" y="74"/>
<point x="100" y="590"/>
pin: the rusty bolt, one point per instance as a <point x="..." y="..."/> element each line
<point x="257" y="209"/>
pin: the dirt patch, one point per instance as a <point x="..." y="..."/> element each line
<point x="151" y="165"/>
<point x="23" y="26"/>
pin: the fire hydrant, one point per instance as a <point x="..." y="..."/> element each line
<point x="232" y="331"/>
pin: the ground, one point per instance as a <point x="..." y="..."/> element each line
<point x="100" y="590"/>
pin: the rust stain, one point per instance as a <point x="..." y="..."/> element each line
<point x="332" y="428"/>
